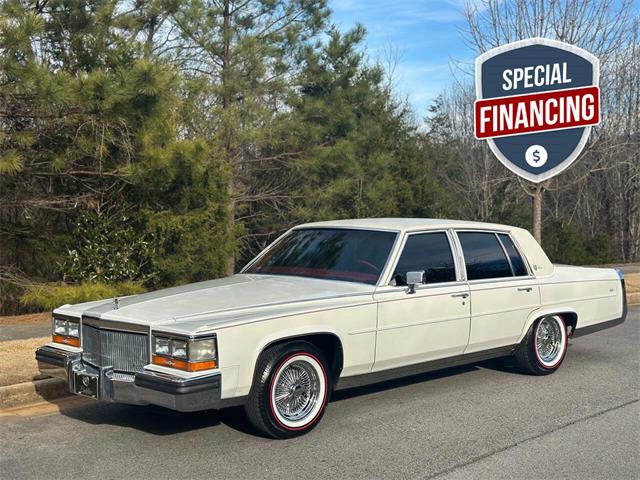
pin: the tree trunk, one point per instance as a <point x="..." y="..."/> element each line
<point x="537" y="213"/>
<point x="226" y="101"/>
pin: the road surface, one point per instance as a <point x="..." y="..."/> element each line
<point x="482" y="421"/>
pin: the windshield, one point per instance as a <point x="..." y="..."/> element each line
<point x="330" y="253"/>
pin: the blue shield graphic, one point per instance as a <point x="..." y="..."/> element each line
<point x="541" y="155"/>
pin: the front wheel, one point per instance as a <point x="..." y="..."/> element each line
<point x="290" y="390"/>
<point x="544" y="347"/>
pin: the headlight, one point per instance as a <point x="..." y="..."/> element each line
<point x="59" y="326"/>
<point x="202" y="350"/>
<point x="73" y="329"/>
<point x="162" y="346"/>
<point x="66" y="330"/>
<point x="190" y="354"/>
<point x="179" y="349"/>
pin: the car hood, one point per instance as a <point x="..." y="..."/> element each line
<point x="220" y="299"/>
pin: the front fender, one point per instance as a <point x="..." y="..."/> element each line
<point x="541" y="312"/>
<point x="292" y="334"/>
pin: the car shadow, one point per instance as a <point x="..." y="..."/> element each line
<point x="158" y="420"/>
<point x="161" y="421"/>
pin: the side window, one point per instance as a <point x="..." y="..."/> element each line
<point x="517" y="263"/>
<point x="430" y="252"/>
<point x="483" y="256"/>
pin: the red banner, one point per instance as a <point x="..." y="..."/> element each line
<point x="537" y="112"/>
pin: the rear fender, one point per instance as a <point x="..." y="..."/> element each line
<point x="543" y="312"/>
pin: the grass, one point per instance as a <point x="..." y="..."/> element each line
<point x="51" y="295"/>
<point x="26" y="318"/>
<point x="18" y="360"/>
<point x="632" y="283"/>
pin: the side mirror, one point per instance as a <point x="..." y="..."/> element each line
<point x="413" y="279"/>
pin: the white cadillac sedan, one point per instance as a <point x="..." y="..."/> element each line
<point x="333" y="305"/>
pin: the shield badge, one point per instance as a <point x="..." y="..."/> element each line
<point x="537" y="100"/>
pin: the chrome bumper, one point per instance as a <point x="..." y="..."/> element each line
<point x="148" y="388"/>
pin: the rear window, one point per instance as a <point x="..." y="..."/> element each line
<point x="336" y="254"/>
<point x="517" y="263"/>
<point x="483" y="256"/>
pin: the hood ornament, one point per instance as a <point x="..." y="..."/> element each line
<point x="116" y="303"/>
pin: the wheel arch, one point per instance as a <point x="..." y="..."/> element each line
<point x="327" y="341"/>
<point x="568" y="314"/>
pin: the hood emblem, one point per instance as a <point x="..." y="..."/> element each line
<point x="116" y="303"/>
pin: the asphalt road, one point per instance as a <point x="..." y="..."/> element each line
<point x="23" y="331"/>
<point x="483" y="421"/>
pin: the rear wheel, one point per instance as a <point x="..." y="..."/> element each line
<point x="544" y="347"/>
<point x="290" y="390"/>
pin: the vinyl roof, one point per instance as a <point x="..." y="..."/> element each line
<point x="402" y="224"/>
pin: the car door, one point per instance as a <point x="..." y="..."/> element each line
<point x="503" y="293"/>
<point x="431" y="323"/>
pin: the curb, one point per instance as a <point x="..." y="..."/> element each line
<point x="32" y="392"/>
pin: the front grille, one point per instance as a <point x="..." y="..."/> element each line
<point x="123" y="351"/>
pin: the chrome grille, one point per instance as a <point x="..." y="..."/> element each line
<point x="124" y="351"/>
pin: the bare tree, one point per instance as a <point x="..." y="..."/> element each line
<point x="606" y="28"/>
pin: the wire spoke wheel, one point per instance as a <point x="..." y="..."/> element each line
<point x="550" y="341"/>
<point x="290" y="391"/>
<point x="296" y="391"/>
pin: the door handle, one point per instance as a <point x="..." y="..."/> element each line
<point x="525" y="289"/>
<point x="461" y="295"/>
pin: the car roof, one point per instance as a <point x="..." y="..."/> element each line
<point x="404" y="224"/>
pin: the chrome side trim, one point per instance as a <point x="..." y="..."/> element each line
<point x="462" y="274"/>
<point x="424" y="286"/>
<point x="384" y="272"/>
<point x="506" y="254"/>
<point x="499" y="280"/>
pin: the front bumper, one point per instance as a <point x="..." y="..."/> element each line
<point x="146" y="388"/>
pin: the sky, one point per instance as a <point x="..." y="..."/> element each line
<point x="426" y="37"/>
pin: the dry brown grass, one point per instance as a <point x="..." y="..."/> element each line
<point x="18" y="362"/>
<point x="632" y="280"/>
<point x="632" y="283"/>
<point x="28" y="318"/>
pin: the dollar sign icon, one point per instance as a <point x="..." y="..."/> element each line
<point x="536" y="156"/>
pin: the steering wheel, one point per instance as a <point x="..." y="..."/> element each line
<point x="368" y="264"/>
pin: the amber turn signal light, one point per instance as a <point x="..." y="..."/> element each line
<point x="183" y="364"/>
<point x="74" y="342"/>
